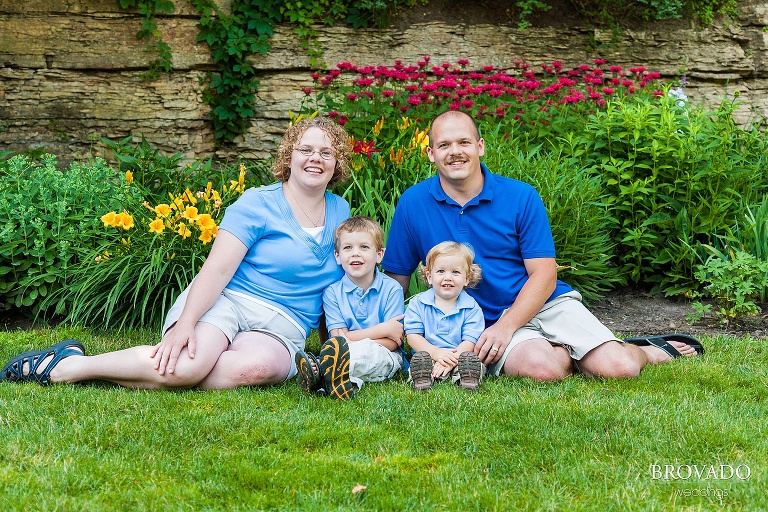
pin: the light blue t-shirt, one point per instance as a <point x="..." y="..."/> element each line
<point x="284" y="266"/>
<point x="464" y="323"/>
<point x="346" y="305"/>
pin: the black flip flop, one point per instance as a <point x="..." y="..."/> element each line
<point x="662" y="342"/>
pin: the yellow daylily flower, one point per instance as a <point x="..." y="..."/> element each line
<point x="128" y="177"/>
<point x="378" y="126"/>
<point x="205" y="221"/>
<point x="190" y="213"/>
<point x="156" y="226"/>
<point x="396" y="158"/>
<point x="420" y="139"/>
<point x="162" y="210"/>
<point x="109" y="219"/>
<point x="183" y="230"/>
<point x="123" y="220"/>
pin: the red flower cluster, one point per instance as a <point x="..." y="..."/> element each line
<point x="361" y="95"/>
<point x="409" y="87"/>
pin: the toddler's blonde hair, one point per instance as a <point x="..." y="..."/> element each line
<point x="474" y="273"/>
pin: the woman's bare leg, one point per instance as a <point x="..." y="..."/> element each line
<point x="133" y="367"/>
<point x="253" y="359"/>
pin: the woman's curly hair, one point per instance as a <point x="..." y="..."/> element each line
<point x="281" y="167"/>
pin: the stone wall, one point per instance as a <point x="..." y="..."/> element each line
<point x="69" y="69"/>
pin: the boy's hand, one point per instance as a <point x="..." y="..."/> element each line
<point x="394" y="330"/>
<point x="446" y="357"/>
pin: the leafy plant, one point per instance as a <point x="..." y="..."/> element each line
<point x="48" y="221"/>
<point x="673" y="177"/>
<point x="146" y="165"/>
<point x="147" y="254"/>
<point x="616" y="13"/>
<point x="734" y="279"/>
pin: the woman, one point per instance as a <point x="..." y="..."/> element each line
<point x="252" y="305"/>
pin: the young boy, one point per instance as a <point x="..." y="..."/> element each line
<point x="443" y="323"/>
<point x="363" y="313"/>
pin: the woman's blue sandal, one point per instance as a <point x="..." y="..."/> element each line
<point x="13" y="370"/>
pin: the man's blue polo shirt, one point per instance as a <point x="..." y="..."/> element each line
<point x="444" y="330"/>
<point x="505" y="224"/>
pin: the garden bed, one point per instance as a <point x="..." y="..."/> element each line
<point x="627" y="311"/>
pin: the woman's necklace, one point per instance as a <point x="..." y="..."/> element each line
<point x="320" y="220"/>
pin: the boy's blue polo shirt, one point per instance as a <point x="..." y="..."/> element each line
<point x="347" y="305"/>
<point x="444" y="330"/>
<point x="505" y="224"/>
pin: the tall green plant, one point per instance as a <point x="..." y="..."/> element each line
<point x="734" y="279"/>
<point x="49" y="218"/>
<point x="674" y="178"/>
<point x="146" y="255"/>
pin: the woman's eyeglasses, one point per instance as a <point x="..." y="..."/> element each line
<point x="325" y="154"/>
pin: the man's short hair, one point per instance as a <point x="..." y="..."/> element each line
<point x="448" y="114"/>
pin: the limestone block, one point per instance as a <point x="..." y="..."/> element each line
<point x="70" y="69"/>
<point x="63" y="109"/>
<point x="74" y="41"/>
<point x="29" y="7"/>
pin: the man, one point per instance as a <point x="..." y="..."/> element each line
<point x="536" y="325"/>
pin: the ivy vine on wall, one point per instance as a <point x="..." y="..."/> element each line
<point x="247" y="27"/>
<point x="245" y="30"/>
<point x="149" y="30"/>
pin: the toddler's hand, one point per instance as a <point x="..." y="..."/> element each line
<point x="446" y="356"/>
<point x="440" y="371"/>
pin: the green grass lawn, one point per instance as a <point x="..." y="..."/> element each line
<point x="517" y="444"/>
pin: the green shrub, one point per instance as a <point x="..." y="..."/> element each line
<point x="146" y="255"/>
<point x="49" y="218"/>
<point x="734" y="279"/>
<point x="674" y="178"/>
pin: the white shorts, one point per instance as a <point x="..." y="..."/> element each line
<point x="235" y="312"/>
<point x="372" y="362"/>
<point x="563" y="321"/>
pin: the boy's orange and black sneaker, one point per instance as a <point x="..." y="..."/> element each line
<point x="309" y="377"/>
<point x="334" y="369"/>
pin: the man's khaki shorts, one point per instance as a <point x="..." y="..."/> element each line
<point x="563" y="321"/>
